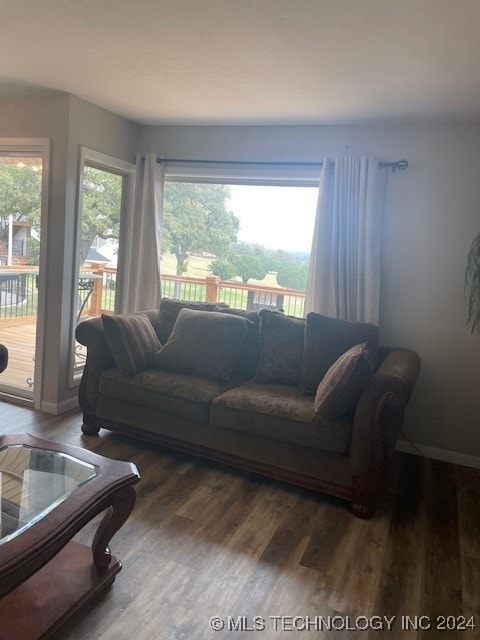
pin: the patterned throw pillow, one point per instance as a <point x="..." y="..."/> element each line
<point x="342" y="385"/>
<point x="132" y="341"/>
<point x="281" y="348"/>
<point x="171" y="307"/>
<point x="326" y="339"/>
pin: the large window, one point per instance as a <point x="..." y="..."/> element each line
<point x="244" y="244"/>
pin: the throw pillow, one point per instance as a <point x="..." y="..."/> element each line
<point x="247" y="361"/>
<point x="132" y="341"/>
<point x="203" y="343"/>
<point x="342" y="385"/>
<point x="325" y="341"/>
<point x="169" y="310"/>
<point x="281" y="348"/>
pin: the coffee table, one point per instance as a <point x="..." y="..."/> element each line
<point x="48" y="492"/>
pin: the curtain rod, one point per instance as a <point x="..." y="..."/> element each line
<point x="401" y="165"/>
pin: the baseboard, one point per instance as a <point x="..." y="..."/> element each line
<point x="9" y="397"/>
<point x="61" y="407"/>
<point x="463" y="459"/>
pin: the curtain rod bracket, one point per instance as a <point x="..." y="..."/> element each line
<point x="401" y="165"/>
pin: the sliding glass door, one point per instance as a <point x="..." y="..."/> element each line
<point x="20" y="245"/>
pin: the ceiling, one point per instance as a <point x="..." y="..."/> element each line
<point x="249" y="61"/>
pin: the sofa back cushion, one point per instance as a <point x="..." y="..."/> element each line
<point x="247" y="361"/>
<point x="341" y="387"/>
<point x="326" y="339"/>
<point x="281" y="348"/>
<point x="203" y="343"/>
<point x="169" y="310"/>
<point x="132" y="341"/>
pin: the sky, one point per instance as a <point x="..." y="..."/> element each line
<point x="276" y="217"/>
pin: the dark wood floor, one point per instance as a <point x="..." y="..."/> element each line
<point x="205" y="540"/>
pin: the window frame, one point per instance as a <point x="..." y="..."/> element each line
<point x="97" y="160"/>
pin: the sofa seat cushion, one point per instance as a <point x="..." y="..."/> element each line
<point x="279" y="412"/>
<point x="178" y="394"/>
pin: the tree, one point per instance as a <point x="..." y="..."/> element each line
<point x="20" y="193"/>
<point x="33" y="251"/>
<point x="277" y="259"/>
<point x="249" y="266"/>
<point x="223" y="269"/>
<point x="195" y="219"/>
<point x="293" y="276"/>
<point x="101" y="207"/>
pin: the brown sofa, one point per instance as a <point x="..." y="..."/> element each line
<point x="264" y="428"/>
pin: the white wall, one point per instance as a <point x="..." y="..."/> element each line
<point x="432" y="215"/>
<point x="68" y="122"/>
<point x="93" y="127"/>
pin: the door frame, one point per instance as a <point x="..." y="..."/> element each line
<point x="43" y="147"/>
<point x="125" y="169"/>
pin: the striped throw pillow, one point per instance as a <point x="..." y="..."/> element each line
<point x="340" y="389"/>
<point x="132" y="341"/>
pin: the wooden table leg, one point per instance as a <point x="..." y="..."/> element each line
<point x="122" y="504"/>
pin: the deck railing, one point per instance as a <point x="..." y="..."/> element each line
<point x="97" y="288"/>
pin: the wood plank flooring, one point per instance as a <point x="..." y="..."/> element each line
<point x="205" y="540"/>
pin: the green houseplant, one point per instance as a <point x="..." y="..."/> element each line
<point x="472" y="284"/>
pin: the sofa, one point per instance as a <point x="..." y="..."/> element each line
<point x="258" y="418"/>
<point x="3" y="357"/>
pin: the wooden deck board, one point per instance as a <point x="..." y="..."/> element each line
<point x="19" y="337"/>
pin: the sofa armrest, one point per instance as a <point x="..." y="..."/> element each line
<point x="379" y="414"/>
<point x="90" y="333"/>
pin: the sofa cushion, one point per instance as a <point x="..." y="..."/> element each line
<point x="279" y="412"/>
<point x="178" y="394"/>
<point x="169" y="310"/>
<point x="326" y="339"/>
<point x="342" y="385"/>
<point x="203" y="343"/>
<point x="132" y="341"/>
<point x="247" y="360"/>
<point x="281" y="348"/>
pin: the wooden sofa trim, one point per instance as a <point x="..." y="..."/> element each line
<point x="361" y="502"/>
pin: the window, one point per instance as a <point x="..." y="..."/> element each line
<point x="243" y="239"/>
<point x="105" y="191"/>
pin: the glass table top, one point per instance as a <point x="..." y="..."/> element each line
<point x="33" y="482"/>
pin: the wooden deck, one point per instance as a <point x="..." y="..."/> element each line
<point x="19" y="337"/>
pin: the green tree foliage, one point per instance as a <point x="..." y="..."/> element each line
<point x="20" y="193"/>
<point x="33" y="250"/>
<point x="277" y="259"/>
<point x="249" y="266"/>
<point x="292" y="275"/>
<point x="195" y="219"/>
<point x="224" y="269"/>
<point x="101" y="207"/>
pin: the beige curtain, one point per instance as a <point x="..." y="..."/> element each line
<point x="344" y="276"/>
<point x="142" y="260"/>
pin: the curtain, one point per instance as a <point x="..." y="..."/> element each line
<point x="142" y="269"/>
<point x="344" y="275"/>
